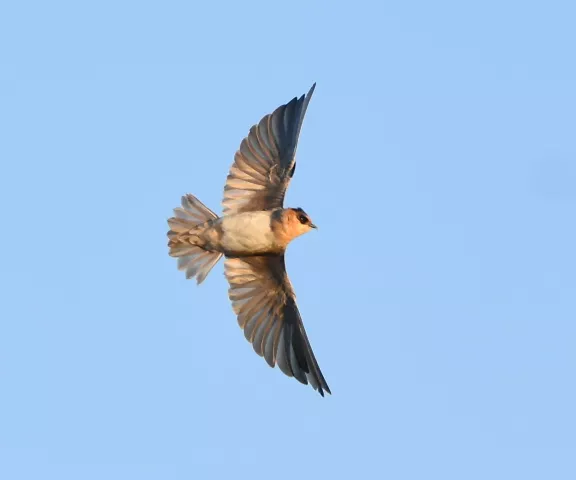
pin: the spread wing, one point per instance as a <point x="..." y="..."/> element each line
<point x="265" y="163"/>
<point x="264" y="302"/>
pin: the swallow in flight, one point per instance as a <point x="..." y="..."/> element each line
<point x="252" y="235"/>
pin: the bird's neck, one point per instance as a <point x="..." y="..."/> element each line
<point x="283" y="227"/>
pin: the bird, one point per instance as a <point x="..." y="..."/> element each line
<point x="252" y="234"/>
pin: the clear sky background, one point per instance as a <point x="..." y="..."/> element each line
<point x="438" y="158"/>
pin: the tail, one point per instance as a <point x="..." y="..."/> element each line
<point x="193" y="259"/>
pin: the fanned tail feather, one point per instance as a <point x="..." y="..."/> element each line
<point x="192" y="259"/>
<point x="195" y="261"/>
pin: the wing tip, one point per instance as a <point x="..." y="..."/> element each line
<point x="311" y="91"/>
<point x="323" y="389"/>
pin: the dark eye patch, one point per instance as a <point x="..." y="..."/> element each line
<point x="303" y="219"/>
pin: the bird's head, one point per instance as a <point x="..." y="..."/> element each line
<point x="289" y="223"/>
<point x="298" y="221"/>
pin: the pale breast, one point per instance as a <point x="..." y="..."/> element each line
<point x="247" y="233"/>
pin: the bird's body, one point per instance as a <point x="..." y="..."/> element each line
<point x="246" y="234"/>
<point x="253" y="235"/>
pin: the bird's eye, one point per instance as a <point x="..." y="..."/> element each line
<point x="303" y="219"/>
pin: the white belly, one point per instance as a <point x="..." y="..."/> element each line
<point x="247" y="233"/>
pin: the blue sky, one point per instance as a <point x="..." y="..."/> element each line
<point x="438" y="158"/>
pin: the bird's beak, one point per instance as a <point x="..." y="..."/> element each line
<point x="313" y="226"/>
